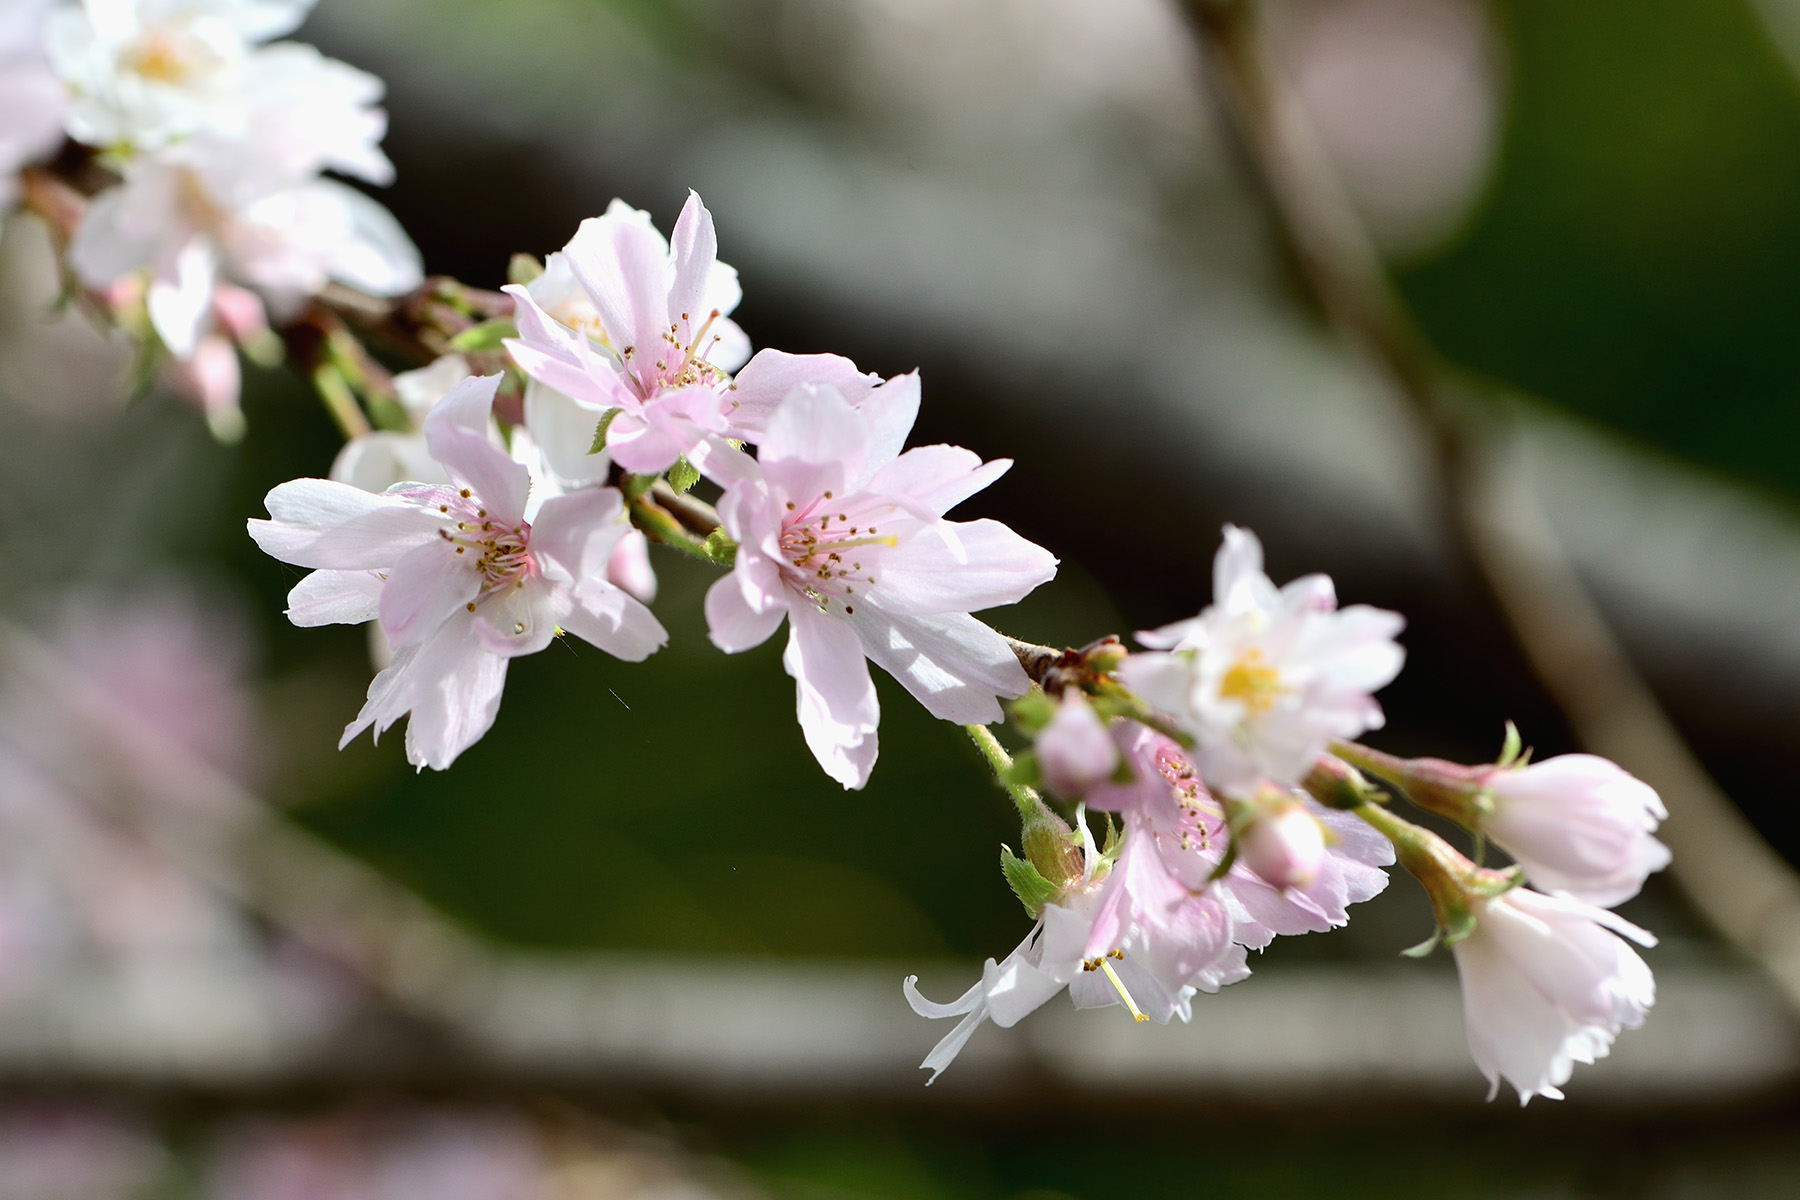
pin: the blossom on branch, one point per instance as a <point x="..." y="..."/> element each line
<point x="459" y="578"/>
<point x="1580" y="826"/>
<point x="624" y="322"/>
<point x="845" y="536"/>
<point x="144" y="74"/>
<point x="1265" y="678"/>
<point x="1546" y="984"/>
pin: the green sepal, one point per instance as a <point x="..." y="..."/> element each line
<point x="720" y="548"/>
<point x="1457" y="925"/>
<point x="1115" y="836"/>
<point x="1489" y="884"/>
<point x="1424" y="948"/>
<point x="486" y="336"/>
<point x="1033" y="711"/>
<point x="683" y="476"/>
<point x="523" y="270"/>
<point x="1024" y="771"/>
<point x="599" y="444"/>
<point x="1511" y="748"/>
<point x="1226" y="863"/>
<point x="1027" y="882"/>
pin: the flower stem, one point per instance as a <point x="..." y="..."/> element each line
<point x="1028" y="802"/>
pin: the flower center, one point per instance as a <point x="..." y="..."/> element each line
<point x="171" y="56"/>
<point x="1201" y="817"/>
<point x="679" y="363"/>
<point x="825" y="554"/>
<point x="500" y="554"/>
<point x="1252" y="683"/>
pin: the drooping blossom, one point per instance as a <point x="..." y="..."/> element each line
<point x="1117" y="935"/>
<point x="1074" y="750"/>
<point x="32" y="100"/>
<point x="845" y="536"/>
<point x="1580" y="825"/>
<point x="1546" y="983"/>
<point x="146" y="73"/>
<point x="1167" y="807"/>
<point x="1265" y="678"/>
<point x="459" y="578"/>
<point x="622" y="321"/>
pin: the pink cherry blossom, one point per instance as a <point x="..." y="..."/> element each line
<point x="622" y="320"/>
<point x="1264" y="678"/>
<point x="1284" y="847"/>
<point x="1123" y="934"/>
<point x="845" y="536"/>
<point x="1579" y="825"/>
<point x="460" y="580"/>
<point x="1547" y="984"/>
<point x="1168" y="807"/>
<point x="1075" y="751"/>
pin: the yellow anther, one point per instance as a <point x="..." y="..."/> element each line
<point x="1124" y="995"/>
<point x="1252" y="682"/>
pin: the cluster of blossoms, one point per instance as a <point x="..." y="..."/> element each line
<point x="213" y="140"/>
<point x="508" y="498"/>
<point x="1224" y="749"/>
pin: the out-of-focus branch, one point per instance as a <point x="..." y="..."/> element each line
<point x="1732" y="876"/>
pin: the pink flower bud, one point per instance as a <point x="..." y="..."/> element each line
<point x="1074" y="750"/>
<point x="239" y="313"/>
<point x="1284" y="844"/>
<point x="1579" y="825"/>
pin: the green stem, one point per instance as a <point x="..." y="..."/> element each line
<point x="1028" y="802"/>
<point x="340" y="402"/>
<point x="1374" y="761"/>
<point x="656" y="521"/>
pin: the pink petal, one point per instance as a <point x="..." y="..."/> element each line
<point x="577" y="532"/>
<point x="695" y="246"/>
<point x="952" y="664"/>
<point x="424" y="589"/>
<point x="937" y="478"/>
<point x="604" y="616"/>
<point x="925" y="575"/>
<point x="837" y="706"/>
<point x="768" y="378"/>
<point x="732" y="623"/>
<point x="319" y="523"/>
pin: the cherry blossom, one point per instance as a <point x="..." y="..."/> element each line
<point x="625" y="322"/>
<point x="1119" y="934"/>
<point x="146" y="73"/>
<point x="194" y="214"/>
<point x="1579" y="825"/>
<point x="1167" y="806"/>
<point x="1547" y="984"/>
<point x="1074" y="750"/>
<point x="1283" y="845"/>
<point x="1264" y="678"/>
<point x="460" y="580"/>
<point x="845" y="536"/>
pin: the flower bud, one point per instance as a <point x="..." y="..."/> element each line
<point x="1579" y="825"/>
<point x="1283" y="843"/>
<point x="1074" y="750"/>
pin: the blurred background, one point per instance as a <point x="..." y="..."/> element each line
<point x="635" y="943"/>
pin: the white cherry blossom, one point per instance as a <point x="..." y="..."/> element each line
<point x="1579" y="825"/>
<point x="1265" y="678"/>
<point x="459" y="578"/>
<point x="1547" y="984"/>
<point x="845" y="536"/>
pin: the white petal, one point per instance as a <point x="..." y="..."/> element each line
<point x="320" y="523"/>
<point x="425" y="588"/>
<point x="952" y="664"/>
<point x="335" y="598"/>
<point x="837" y="706"/>
<point x="732" y="623"/>
<point x="925" y="574"/>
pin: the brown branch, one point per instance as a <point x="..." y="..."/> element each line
<point x="1732" y="876"/>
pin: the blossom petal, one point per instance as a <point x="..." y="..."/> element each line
<point x="836" y="700"/>
<point x="456" y="432"/>
<point x="952" y="664"/>
<point x="319" y="523"/>
<point x="429" y="584"/>
<point x="768" y="378"/>
<point x="925" y="574"/>
<point x="335" y="598"/>
<point x="732" y="622"/>
<point x="937" y="478"/>
<point x="605" y="616"/>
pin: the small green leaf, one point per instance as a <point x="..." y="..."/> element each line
<point x="1033" y="711"/>
<point x="720" y="548"/>
<point x="1490" y="884"/>
<point x="606" y="420"/>
<point x="523" y="270"/>
<point x="683" y="476"/>
<point x="1460" y="925"/>
<point x="1511" y="748"/>
<point x="1109" y="849"/>
<point x="486" y="336"/>
<point x="1027" y="883"/>
<point x="1425" y="947"/>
